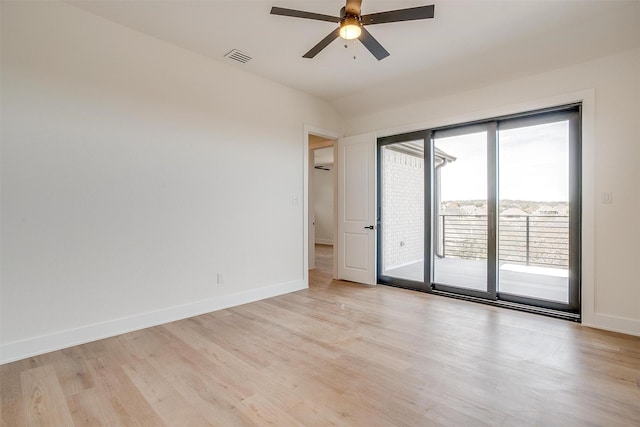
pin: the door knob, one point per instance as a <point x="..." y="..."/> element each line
<point x="371" y="227"/>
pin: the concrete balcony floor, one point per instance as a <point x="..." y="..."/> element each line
<point x="535" y="282"/>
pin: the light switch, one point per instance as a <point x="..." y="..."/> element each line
<point x="606" y="197"/>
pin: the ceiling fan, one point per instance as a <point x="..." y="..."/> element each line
<point x="352" y="24"/>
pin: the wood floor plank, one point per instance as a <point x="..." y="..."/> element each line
<point x="295" y="390"/>
<point x="194" y="375"/>
<point x="313" y="414"/>
<point x="264" y="413"/>
<point x="71" y="371"/>
<point x="337" y="354"/>
<point x="44" y="401"/>
<point x="13" y="414"/>
<point x="11" y="401"/>
<point x="172" y="407"/>
<point x="216" y="361"/>
<point x="117" y="390"/>
<point x="91" y="408"/>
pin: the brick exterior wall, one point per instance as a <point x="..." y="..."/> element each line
<point x="402" y="209"/>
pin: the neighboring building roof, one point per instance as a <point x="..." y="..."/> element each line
<point x="513" y="211"/>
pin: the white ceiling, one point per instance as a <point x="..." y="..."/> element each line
<point x="468" y="44"/>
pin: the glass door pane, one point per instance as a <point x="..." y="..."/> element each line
<point x="401" y="230"/>
<point x="460" y="216"/>
<point x="533" y="226"/>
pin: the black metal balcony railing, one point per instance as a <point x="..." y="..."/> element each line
<point x="538" y="240"/>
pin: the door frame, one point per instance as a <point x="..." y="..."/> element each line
<point x="332" y="135"/>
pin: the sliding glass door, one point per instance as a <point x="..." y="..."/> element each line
<point x="538" y="223"/>
<point x="461" y="207"/>
<point x="401" y="231"/>
<point x="501" y="201"/>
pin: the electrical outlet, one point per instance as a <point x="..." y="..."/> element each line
<point x="219" y="279"/>
<point x="606" y="197"/>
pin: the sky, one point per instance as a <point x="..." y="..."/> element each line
<point x="533" y="164"/>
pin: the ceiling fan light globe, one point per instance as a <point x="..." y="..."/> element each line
<point x="350" y="29"/>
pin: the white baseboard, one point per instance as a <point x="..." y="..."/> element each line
<point x="16" y="350"/>
<point x="324" y="242"/>
<point x="613" y="324"/>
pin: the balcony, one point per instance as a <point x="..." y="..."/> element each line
<point x="533" y="255"/>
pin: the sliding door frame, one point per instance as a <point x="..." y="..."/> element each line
<point x="490" y="127"/>
<point x="424" y="286"/>
<point x="571" y="310"/>
<point x="573" y="115"/>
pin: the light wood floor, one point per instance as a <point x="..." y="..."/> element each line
<point x="337" y="354"/>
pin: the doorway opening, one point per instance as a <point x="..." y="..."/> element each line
<point x="322" y="203"/>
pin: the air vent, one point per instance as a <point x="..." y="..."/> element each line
<point x="238" y="56"/>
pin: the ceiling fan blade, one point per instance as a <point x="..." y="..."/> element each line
<point x="323" y="43"/>
<point x="302" y="14"/>
<point x="372" y="44"/>
<point x="353" y="7"/>
<point x="411" y="14"/>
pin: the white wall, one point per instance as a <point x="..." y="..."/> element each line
<point x="323" y="199"/>
<point x="132" y="173"/>
<point x="611" y="262"/>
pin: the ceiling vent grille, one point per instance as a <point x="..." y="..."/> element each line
<point x="238" y="56"/>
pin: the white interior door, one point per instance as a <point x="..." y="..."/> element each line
<point x="356" y="209"/>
